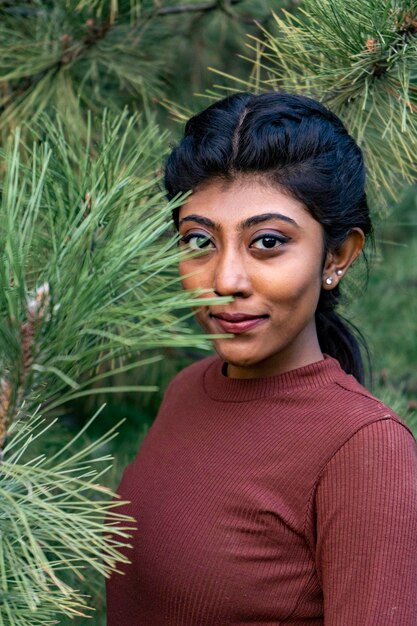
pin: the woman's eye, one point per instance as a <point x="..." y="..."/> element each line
<point x="268" y="242"/>
<point x="197" y="242"/>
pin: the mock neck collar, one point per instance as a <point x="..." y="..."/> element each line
<point x="312" y="376"/>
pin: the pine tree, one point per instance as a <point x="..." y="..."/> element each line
<point x="85" y="55"/>
<point x="87" y="279"/>
<point x="360" y="59"/>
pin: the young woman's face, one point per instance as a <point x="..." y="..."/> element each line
<point x="262" y="247"/>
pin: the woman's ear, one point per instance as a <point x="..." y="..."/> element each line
<point x="338" y="261"/>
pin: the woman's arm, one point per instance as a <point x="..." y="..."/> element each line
<point x="366" y="507"/>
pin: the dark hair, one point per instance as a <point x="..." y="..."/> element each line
<point x="300" y="146"/>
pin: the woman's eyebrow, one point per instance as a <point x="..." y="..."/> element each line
<point x="264" y="217"/>
<point x="250" y="221"/>
<point x="204" y="221"/>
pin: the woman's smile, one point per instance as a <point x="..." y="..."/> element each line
<point x="263" y="248"/>
<point x="237" y="323"/>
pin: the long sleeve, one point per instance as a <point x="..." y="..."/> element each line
<point x="366" y="512"/>
<point x="285" y="500"/>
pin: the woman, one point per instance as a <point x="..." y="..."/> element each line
<point x="273" y="488"/>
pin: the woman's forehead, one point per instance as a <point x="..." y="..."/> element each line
<point x="241" y="202"/>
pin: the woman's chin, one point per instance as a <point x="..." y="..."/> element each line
<point x="238" y="357"/>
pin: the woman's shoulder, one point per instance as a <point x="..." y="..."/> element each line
<point x="359" y="406"/>
<point x="357" y="394"/>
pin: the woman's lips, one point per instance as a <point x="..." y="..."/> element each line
<point x="238" y="323"/>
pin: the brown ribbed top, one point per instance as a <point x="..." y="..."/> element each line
<point x="283" y="500"/>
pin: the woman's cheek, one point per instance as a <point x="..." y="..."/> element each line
<point x="201" y="318"/>
<point x="186" y="280"/>
<point x="194" y="275"/>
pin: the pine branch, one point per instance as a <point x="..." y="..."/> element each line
<point x="87" y="280"/>
<point x="70" y="52"/>
<point x="52" y="525"/>
<point x="89" y="273"/>
<point x="360" y="59"/>
<point x="86" y="54"/>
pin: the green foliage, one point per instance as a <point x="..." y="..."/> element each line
<point x="360" y="59"/>
<point x="386" y="312"/>
<point x="51" y="526"/>
<point x="62" y="54"/>
<point x="89" y="285"/>
<point x="79" y="55"/>
<point x="87" y="277"/>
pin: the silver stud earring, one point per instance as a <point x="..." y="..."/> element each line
<point x="329" y="280"/>
<point x="339" y="272"/>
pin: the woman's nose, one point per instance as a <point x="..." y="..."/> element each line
<point x="231" y="277"/>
